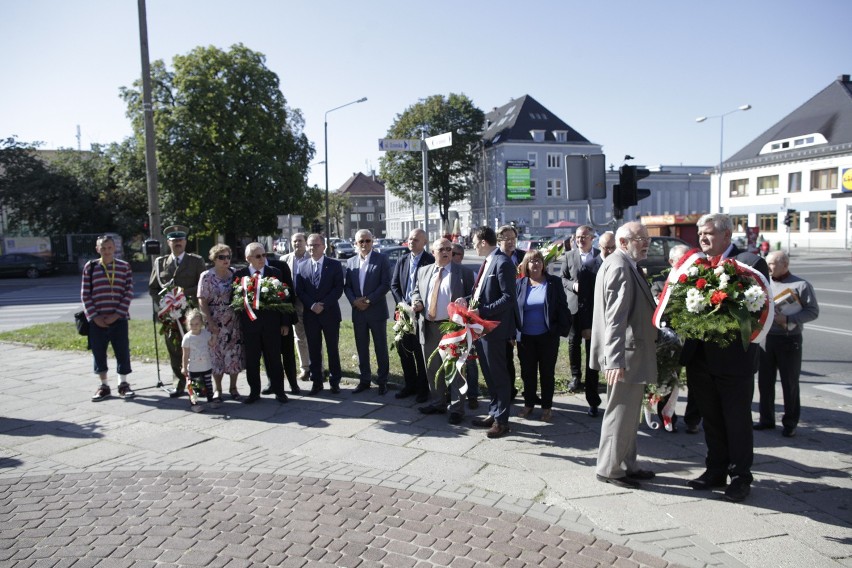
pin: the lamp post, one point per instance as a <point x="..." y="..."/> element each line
<point x="327" y="222"/>
<point x="721" y="118"/>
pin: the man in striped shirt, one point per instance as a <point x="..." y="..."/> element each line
<point x="106" y="292"/>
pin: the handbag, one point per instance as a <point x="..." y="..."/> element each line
<point x="82" y="323"/>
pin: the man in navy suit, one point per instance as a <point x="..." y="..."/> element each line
<point x="366" y="283"/>
<point x="262" y="337"/>
<point x="403" y="282"/>
<point x="722" y="380"/>
<point x="320" y="285"/>
<point x="494" y="299"/>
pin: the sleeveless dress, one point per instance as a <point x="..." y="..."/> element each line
<point x="227" y="353"/>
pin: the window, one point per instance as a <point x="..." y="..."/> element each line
<point x="554" y="160"/>
<point x="536" y="218"/>
<point x="560" y="135"/>
<point x="381" y="217"/>
<point x="551" y="216"/>
<point x="768" y="222"/>
<point x="532" y="188"/>
<point x="355" y="217"/>
<point x="824" y="179"/>
<point x="767" y="185"/>
<point x="369" y="216"/>
<point x="369" y="203"/>
<point x="794" y="182"/>
<point x="532" y="158"/>
<point x="380" y="202"/>
<point x="823" y="220"/>
<point x="537" y="135"/>
<point x="739" y="187"/>
<point x="554" y="188"/>
<point x="740" y="223"/>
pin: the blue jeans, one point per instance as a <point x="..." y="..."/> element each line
<point x="117" y="335"/>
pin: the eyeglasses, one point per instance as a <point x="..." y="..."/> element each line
<point x="365" y="241"/>
<point x="259" y="256"/>
<point x="609" y="249"/>
<point x="458" y="254"/>
<point x="582" y="237"/>
<point x="223" y="256"/>
<point x="641" y="239"/>
<point x="315" y="244"/>
<point x="445" y="249"/>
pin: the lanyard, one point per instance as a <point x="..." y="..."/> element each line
<point x="110" y="275"/>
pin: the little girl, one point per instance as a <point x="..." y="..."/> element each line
<point x="197" y="366"/>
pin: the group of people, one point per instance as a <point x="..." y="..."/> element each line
<point x="602" y="302"/>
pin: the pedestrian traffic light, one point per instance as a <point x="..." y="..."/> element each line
<point x="788" y="219"/>
<point x="626" y="194"/>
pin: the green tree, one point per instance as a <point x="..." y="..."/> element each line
<point x="231" y="154"/>
<point x="449" y="168"/>
<point x="338" y="207"/>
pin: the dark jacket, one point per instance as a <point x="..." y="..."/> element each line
<point x="399" y="280"/>
<point x="556" y="314"/>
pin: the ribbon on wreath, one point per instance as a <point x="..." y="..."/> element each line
<point x="472" y="328"/>
<point x="173" y="301"/>
<point x="247" y="280"/>
<point x="667" y="412"/>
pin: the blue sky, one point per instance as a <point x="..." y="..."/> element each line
<point x="632" y="76"/>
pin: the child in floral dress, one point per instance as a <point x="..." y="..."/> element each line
<point x="197" y="366"/>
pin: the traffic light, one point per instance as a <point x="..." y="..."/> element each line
<point x="626" y="194"/>
<point x="788" y="219"/>
<point x="316" y="226"/>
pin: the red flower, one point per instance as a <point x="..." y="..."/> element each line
<point x="281" y="295"/>
<point x="700" y="283"/>
<point x="717" y="297"/>
<point x="682" y="279"/>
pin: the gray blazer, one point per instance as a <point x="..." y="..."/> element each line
<point x="461" y="285"/>
<point x="623" y="335"/>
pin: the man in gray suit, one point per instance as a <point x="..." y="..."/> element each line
<point x="294" y="260"/>
<point x="439" y="285"/>
<point x="623" y="347"/>
<point x="366" y="283"/>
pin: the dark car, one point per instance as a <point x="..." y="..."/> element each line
<point x="381" y="244"/>
<point x="658" y="256"/>
<point x="394" y="253"/>
<point x="29" y="265"/>
<point x="343" y="249"/>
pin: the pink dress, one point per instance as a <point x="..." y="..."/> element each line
<point x="227" y="353"/>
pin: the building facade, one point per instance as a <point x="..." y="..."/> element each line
<point x="366" y="209"/>
<point x="801" y="165"/>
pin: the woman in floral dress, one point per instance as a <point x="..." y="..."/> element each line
<point x="214" y="295"/>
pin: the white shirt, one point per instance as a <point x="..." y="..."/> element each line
<point x="199" y="351"/>
<point x="445" y="291"/>
<point x="481" y="278"/>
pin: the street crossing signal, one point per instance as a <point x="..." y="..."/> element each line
<point x="626" y="194"/>
<point x="788" y="218"/>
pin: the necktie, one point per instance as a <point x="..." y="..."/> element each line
<point x="315" y="278"/>
<point x="478" y="278"/>
<point x="433" y="297"/>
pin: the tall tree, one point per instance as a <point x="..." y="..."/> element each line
<point x="231" y="154"/>
<point x="449" y="168"/>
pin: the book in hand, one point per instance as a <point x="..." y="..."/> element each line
<point x="787" y="302"/>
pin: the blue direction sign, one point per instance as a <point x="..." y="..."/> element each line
<point x="388" y="144"/>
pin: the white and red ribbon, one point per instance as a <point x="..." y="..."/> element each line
<point x="246" y="281"/>
<point x="467" y="335"/>
<point x="173" y="301"/>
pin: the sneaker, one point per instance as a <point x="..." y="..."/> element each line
<point x="124" y="391"/>
<point x="102" y="393"/>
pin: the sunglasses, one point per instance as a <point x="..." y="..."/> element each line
<point x="223" y="256"/>
<point x="259" y="256"/>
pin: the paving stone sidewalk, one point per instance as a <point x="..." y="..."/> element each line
<point x="363" y="480"/>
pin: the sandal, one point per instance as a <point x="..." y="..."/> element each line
<point x="235" y="394"/>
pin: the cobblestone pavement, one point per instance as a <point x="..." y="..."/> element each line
<point x="363" y="480"/>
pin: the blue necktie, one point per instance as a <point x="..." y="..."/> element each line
<point x="316" y="276"/>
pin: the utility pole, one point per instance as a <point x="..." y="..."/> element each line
<point x="150" y="148"/>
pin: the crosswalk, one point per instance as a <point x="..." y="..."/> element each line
<point x="24" y="306"/>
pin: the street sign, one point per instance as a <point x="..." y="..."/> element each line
<point x="439" y="141"/>
<point x="388" y="144"/>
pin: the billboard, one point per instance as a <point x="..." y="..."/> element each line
<point x="517" y="180"/>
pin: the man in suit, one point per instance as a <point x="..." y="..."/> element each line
<point x="403" y="281"/>
<point x="262" y="336"/>
<point x="181" y="269"/>
<point x="438" y="285"/>
<point x="294" y="260"/>
<point x="472" y="365"/>
<point x="507" y="240"/>
<point x="579" y="268"/>
<point x="606" y="244"/>
<point x="494" y="299"/>
<point x="623" y="346"/>
<point x="722" y="380"/>
<point x="366" y="283"/>
<point x="319" y="283"/>
<point x="288" y="351"/>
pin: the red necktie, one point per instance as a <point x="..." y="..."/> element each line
<point x="479" y="274"/>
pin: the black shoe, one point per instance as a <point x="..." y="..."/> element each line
<point x="643" y="474"/>
<point x="738" y="490"/>
<point x="404" y="393"/>
<point x="707" y="481"/>
<point x="316" y="390"/>
<point x="514" y="393"/>
<point x="295" y="389"/>
<point x="574" y="386"/>
<point x="763" y="426"/>
<point x="282" y="398"/>
<point x="335" y="389"/>
<point x="623" y="482"/>
<point x="383" y="390"/>
<point x="788" y="431"/>
<point x="177" y="393"/>
<point x="593" y="411"/>
<point x="690" y="429"/>
<point x="267" y="389"/>
<point x="455" y="418"/>
<point x="486" y="422"/>
<point x="421" y="398"/>
<point x="431" y="410"/>
<point x="472" y="403"/>
<point x="361" y="388"/>
<point x="251" y="399"/>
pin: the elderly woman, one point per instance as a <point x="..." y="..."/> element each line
<point x="544" y="313"/>
<point x="214" y="293"/>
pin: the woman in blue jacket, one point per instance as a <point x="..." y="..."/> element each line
<point x="544" y="314"/>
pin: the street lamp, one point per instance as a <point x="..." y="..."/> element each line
<point x="327" y="222"/>
<point x="721" y="118"/>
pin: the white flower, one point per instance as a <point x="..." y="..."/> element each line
<point x="695" y="301"/>
<point x="692" y="271"/>
<point x="264" y="290"/>
<point x="276" y="284"/>
<point x="724" y="280"/>
<point x="239" y="289"/>
<point x="755" y="298"/>
<point x="719" y="270"/>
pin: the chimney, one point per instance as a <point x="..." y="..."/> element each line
<point x="843" y="78"/>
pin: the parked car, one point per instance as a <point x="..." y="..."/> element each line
<point x="29" y="265"/>
<point x="658" y="256"/>
<point x="343" y="249"/>
<point x="381" y="244"/>
<point x="394" y="253"/>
